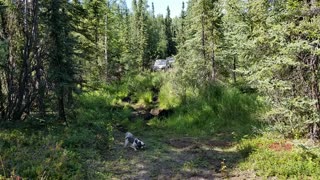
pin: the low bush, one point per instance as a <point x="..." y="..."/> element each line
<point x="53" y="151"/>
<point x="271" y="155"/>
<point x="37" y="155"/>
<point x="139" y="88"/>
<point x="168" y="97"/>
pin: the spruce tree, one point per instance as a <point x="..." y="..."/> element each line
<point x="61" y="64"/>
<point x="200" y="50"/>
<point x="171" y="46"/>
<point x="281" y="62"/>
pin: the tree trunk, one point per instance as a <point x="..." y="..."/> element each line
<point x="25" y="93"/>
<point x="203" y="38"/>
<point x="106" y="47"/>
<point x="315" y="95"/>
<point x="5" y="79"/>
<point x="61" y="107"/>
<point x="2" y="109"/>
<point x="10" y="82"/>
<point x="39" y="84"/>
<point x="213" y="71"/>
<point x="234" y="70"/>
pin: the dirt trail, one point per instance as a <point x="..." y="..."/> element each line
<point x="170" y="157"/>
<point x="174" y="158"/>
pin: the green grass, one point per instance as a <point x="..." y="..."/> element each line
<point x="39" y="149"/>
<point x="38" y="154"/>
<point x="268" y="160"/>
<point x="168" y="97"/>
<point x="212" y="110"/>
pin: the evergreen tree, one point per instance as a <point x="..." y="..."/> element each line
<point x="236" y="28"/>
<point x="280" y="60"/>
<point x="171" y="46"/>
<point x="61" y="64"/>
<point x="140" y="33"/>
<point x="199" y="51"/>
<point x="94" y="29"/>
<point x="181" y="37"/>
<point x="162" y="42"/>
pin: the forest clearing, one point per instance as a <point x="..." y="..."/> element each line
<point x="229" y="89"/>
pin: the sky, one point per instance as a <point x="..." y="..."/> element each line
<point x="160" y="6"/>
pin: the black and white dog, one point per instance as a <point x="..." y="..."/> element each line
<point x="135" y="142"/>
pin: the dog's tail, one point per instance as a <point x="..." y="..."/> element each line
<point x="128" y="134"/>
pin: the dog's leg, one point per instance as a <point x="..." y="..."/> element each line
<point x="133" y="147"/>
<point x="126" y="143"/>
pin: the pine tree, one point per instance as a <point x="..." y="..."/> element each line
<point x="94" y="31"/>
<point x="171" y="46"/>
<point x="236" y="25"/>
<point x="199" y="51"/>
<point x="280" y="60"/>
<point x="61" y="64"/>
<point x="140" y="33"/>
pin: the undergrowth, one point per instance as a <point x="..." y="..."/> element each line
<point x="42" y="149"/>
<point x="140" y="88"/>
<point x="214" y="109"/>
<point x="272" y="155"/>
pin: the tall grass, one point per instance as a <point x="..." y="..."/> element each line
<point x="168" y="95"/>
<point x="216" y="109"/>
<point x="140" y="87"/>
<point x="51" y="151"/>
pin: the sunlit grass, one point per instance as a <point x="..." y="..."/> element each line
<point x="270" y="155"/>
<point x="216" y="109"/>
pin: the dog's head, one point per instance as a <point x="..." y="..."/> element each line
<point x="139" y="143"/>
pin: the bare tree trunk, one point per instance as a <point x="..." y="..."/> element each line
<point x="234" y="70"/>
<point x="39" y="79"/>
<point x="10" y="64"/>
<point x="25" y="93"/>
<point x="203" y="38"/>
<point x="213" y="71"/>
<point x="10" y="81"/>
<point x="6" y="99"/>
<point x="61" y="108"/>
<point x="213" y="61"/>
<point x="2" y="109"/>
<point x="19" y="83"/>
<point x="106" y="47"/>
<point x="315" y="95"/>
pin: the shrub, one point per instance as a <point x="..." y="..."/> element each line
<point x="38" y="155"/>
<point x="168" y="97"/>
<point x="59" y="152"/>
<point x="271" y="155"/>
